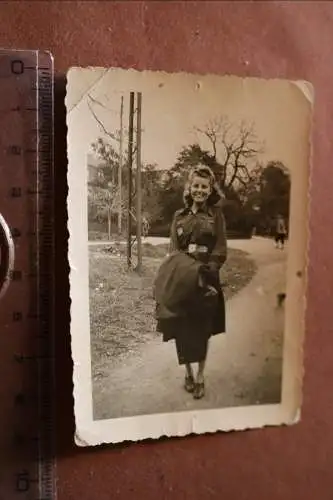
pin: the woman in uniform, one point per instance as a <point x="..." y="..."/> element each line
<point x="197" y="230"/>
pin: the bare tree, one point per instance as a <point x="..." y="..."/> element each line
<point x="234" y="151"/>
<point x="91" y="105"/>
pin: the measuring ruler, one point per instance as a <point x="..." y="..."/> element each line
<point x="27" y="468"/>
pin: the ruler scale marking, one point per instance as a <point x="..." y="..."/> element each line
<point x="26" y="310"/>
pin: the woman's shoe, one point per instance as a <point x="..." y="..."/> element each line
<point x="189" y="384"/>
<point x="199" y="390"/>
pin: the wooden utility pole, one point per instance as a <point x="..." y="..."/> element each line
<point x="138" y="182"/>
<point x="130" y="165"/>
<point x="120" y="171"/>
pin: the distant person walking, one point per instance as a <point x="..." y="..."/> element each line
<point x="145" y="227"/>
<point x="280" y="232"/>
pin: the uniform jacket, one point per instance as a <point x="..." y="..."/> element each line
<point x="180" y="286"/>
<point x="205" y="227"/>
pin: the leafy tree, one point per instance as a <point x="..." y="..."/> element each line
<point x="274" y="194"/>
<point x="104" y="189"/>
<point x="191" y="156"/>
<point x="151" y="188"/>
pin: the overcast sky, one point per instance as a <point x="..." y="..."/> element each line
<point x="172" y="105"/>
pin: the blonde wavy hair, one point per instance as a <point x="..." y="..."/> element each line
<point x="206" y="172"/>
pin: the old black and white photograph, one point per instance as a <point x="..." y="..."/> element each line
<point x="188" y="234"/>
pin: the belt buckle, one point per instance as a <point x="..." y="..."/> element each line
<point x="193" y="247"/>
<point x="202" y="248"/>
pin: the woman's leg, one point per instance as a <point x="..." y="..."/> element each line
<point x="199" y="390"/>
<point x="189" y="371"/>
<point x="189" y="384"/>
<point x="201" y="369"/>
<point x="282" y="241"/>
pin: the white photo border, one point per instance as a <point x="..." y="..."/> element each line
<point x="94" y="432"/>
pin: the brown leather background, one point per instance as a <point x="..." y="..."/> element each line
<point x="291" y="40"/>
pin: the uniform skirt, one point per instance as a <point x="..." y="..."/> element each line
<point x="192" y="341"/>
<point x="192" y="331"/>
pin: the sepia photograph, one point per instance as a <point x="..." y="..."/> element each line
<point x="188" y="234"/>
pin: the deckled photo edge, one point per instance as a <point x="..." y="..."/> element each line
<point x="293" y="370"/>
<point x="91" y="432"/>
<point x="297" y="274"/>
<point x="78" y="276"/>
